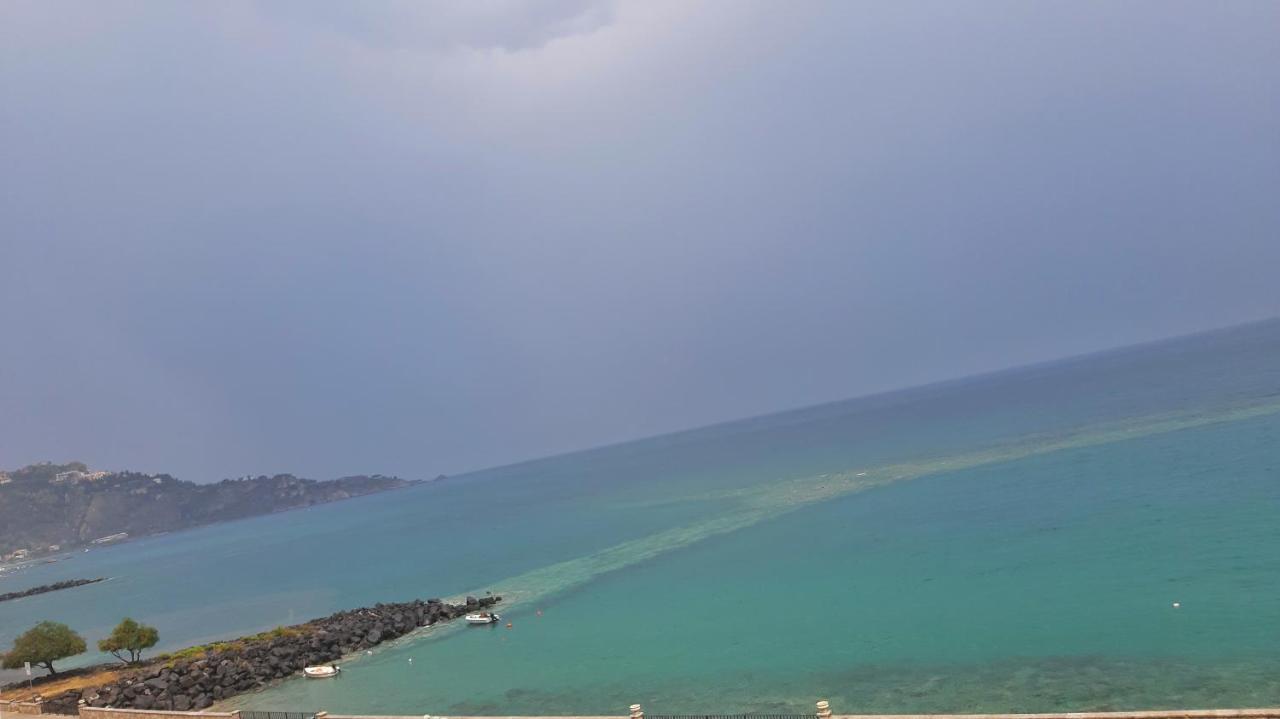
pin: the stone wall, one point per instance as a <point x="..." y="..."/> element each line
<point x="451" y="717"/>
<point x="1265" y="713"/>
<point x="102" y="713"/>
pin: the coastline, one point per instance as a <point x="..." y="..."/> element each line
<point x="197" y="677"/>
<point x="1004" y="614"/>
<point x="636" y="711"/>
<point x="125" y="528"/>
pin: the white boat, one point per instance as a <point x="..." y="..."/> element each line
<point x="322" y="672"/>
<point x="482" y="618"/>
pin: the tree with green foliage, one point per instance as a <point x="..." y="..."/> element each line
<point x="42" y="645"/>
<point x="129" y="636"/>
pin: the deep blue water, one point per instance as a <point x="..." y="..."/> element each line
<point x="1008" y="542"/>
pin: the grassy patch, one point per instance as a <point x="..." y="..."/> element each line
<point x="198" y="652"/>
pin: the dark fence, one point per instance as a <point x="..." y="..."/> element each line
<point x="277" y="715"/>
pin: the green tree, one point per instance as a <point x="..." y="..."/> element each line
<point x="129" y="636"/>
<point x="42" y="644"/>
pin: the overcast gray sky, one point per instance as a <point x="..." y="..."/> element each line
<point x="416" y="237"/>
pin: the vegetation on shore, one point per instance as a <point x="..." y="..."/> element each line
<point x="48" y="642"/>
<point x="196" y="677"/>
<point x="233" y="645"/>
<point x="48" y="507"/>
<point x="42" y="645"/>
<point x="131" y="637"/>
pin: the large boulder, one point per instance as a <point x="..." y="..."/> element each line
<point x="247" y="665"/>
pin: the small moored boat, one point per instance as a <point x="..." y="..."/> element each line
<point x="482" y="618"/>
<point x="322" y="672"/>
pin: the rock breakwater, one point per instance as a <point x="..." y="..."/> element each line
<point x="49" y="588"/>
<point x="196" y="678"/>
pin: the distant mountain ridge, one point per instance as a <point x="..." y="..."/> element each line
<point x="53" y="507"/>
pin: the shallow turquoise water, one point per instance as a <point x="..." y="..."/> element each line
<point x="1054" y="574"/>
<point x="1016" y="544"/>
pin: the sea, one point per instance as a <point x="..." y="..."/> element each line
<point x="1099" y="533"/>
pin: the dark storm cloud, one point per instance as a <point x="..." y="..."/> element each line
<point x="414" y="237"/>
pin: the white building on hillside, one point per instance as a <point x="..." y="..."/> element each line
<point x="76" y="475"/>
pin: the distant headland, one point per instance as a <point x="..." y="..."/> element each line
<point x="47" y="508"/>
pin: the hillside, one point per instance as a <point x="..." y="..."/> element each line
<point x="64" y="506"/>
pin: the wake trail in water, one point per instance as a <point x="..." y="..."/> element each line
<point x="752" y="505"/>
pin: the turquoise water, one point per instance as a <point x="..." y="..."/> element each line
<point x="1012" y="542"/>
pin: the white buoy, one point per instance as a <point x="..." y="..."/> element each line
<point x="1177" y="605"/>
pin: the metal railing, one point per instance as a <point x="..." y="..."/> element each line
<point x="276" y="715"/>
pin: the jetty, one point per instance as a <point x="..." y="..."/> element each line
<point x="68" y="584"/>
<point x="193" y="679"/>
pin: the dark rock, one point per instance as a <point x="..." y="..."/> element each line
<point x="68" y="584"/>
<point x="249" y="665"/>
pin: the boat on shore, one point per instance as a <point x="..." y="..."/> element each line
<point x="322" y="672"/>
<point x="483" y="618"/>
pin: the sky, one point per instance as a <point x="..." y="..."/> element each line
<point x="414" y="237"/>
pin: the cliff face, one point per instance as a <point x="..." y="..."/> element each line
<point x="38" y="509"/>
